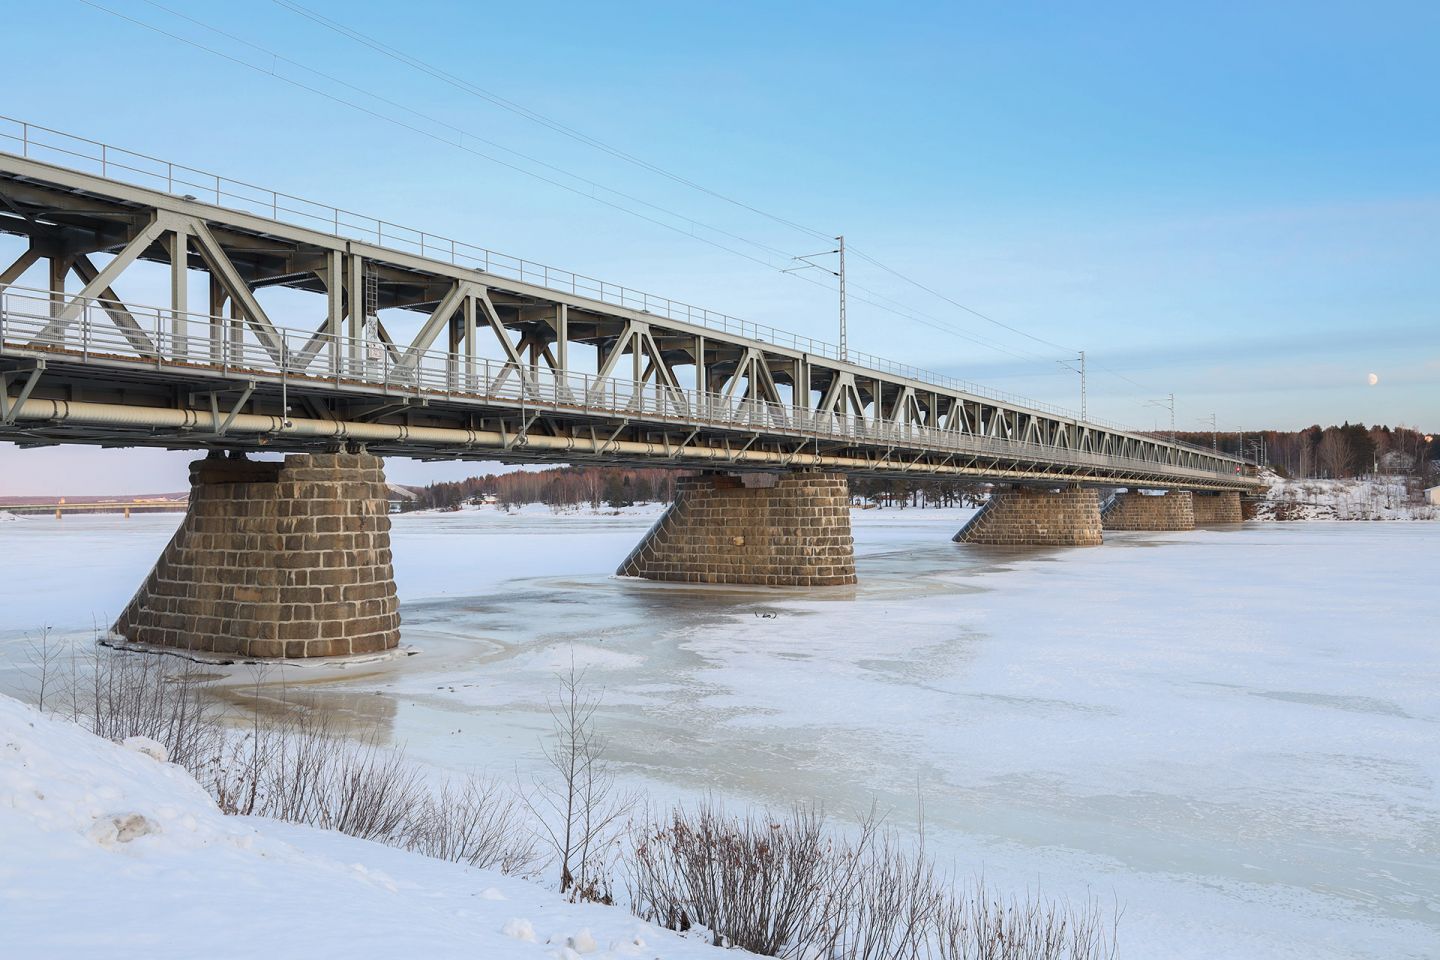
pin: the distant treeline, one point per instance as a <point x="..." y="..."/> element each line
<point x="1349" y="450"/>
<point x="894" y="492"/>
<point x="557" y="487"/>
<point x="624" y="486"/>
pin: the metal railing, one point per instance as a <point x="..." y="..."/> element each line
<point x="161" y="339"/>
<point x="49" y="145"/>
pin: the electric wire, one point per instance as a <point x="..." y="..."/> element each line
<point x="893" y="307"/>
<point x="419" y="130"/>
<point x="277" y="57"/>
<point x="466" y="86"/>
<point x="876" y="300"/>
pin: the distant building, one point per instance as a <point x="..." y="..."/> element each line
<point x="400" y="498"/>
<point x="1432" y="496"/>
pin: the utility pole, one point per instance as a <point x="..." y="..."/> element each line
<point x="1080" y="370"/>
<point x="1169" y="402"/>
<point x="1214" y="432"/>
<point x="844" y="350"/>
<point x="806" y="263"/>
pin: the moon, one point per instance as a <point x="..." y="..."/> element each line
<point x="1373" y="378"/>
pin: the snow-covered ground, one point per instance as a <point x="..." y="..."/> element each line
<point x="106" y="851"/>
<point x="1368" y="498"/>
<point x="1231" y="732"/>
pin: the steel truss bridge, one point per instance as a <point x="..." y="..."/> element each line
<point x="493" y="371"/>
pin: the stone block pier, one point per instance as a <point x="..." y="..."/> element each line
<point x="787" y="531"/>
<point x="1032" y="516"/>
<point x="1215" y="508"/>
<point x="275" y="559"/>
<point x="1134" y="510"/>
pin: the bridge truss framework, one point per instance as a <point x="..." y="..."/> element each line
<point x="492" y="372"/>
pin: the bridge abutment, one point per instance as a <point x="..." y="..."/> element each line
<point x="790" y="530"/>
<point x="275" y="559"/>
<point x="1133" y="510"/>
<point x="1028" y="516"/>
<point x="1213" y="508"/>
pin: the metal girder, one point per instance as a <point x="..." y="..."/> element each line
<point x="9" y="409"/>
<point x="221" y="426"/>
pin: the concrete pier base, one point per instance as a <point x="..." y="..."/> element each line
<point x="275" y="559"/>
<point x="1025" y="516"/>
<point x="791" y="530"/>
<point x="1213" y="508"/>
<point x="1134" y="510"/>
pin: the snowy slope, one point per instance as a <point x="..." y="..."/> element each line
<point x="1368" y="498"/>
<point x="110" y="852"/>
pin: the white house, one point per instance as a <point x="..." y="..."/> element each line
<point x="1432" y="495"/>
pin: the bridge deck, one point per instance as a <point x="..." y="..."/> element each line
<point x="492" y="372"/>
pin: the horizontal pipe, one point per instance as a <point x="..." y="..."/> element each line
<point x="204" y="424"/>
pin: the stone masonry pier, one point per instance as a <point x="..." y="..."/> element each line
<point x="1211" y="508"/>
<point x="275" y="559"/>
<point x="1027" y="516"/>
<point x="1144" y="511"/>
<point x="791" y="530"/>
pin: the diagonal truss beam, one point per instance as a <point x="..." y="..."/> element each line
<point x="114" y="308"/>
<point x="234" y="284"/>
<point x="513" y="359"/>
<point x="440" y="318"/>
<point x="24" y="262"/>
<point x="102" y="279"/>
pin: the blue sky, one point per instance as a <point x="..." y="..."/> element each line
<point x="1236" y="203"/>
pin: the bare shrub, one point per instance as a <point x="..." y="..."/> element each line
<point x="299" y="771"/>
<point x="889" y="902"/>
<point x="479" y="822"/>
<point x="760" y="883"/>
<point x="116" y="695"/>
<point x="789" y="887"/>
<point x="293" y="768"/>
<point x="981" y="925"/>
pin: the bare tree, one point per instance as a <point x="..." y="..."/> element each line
<point x="42" y="655"/>
<point x="577" y="805"/>
<point x="1334" y="453"/>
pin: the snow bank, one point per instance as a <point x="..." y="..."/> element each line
<point x="110" y="851"/>
<point x="1367" y="498"/>
<point x="6" y="516"/>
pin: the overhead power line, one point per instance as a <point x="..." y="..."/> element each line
<point x="277" y="57"/>
<point x="504" y="103"/>
<point x="466" y="86"/>
<point x="877" y="300"/>
<point x="429" y="134"/>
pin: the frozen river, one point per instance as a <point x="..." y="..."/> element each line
<point x="1234" y="734"/>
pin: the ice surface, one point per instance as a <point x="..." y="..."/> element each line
<point x="1233" y="732"/>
